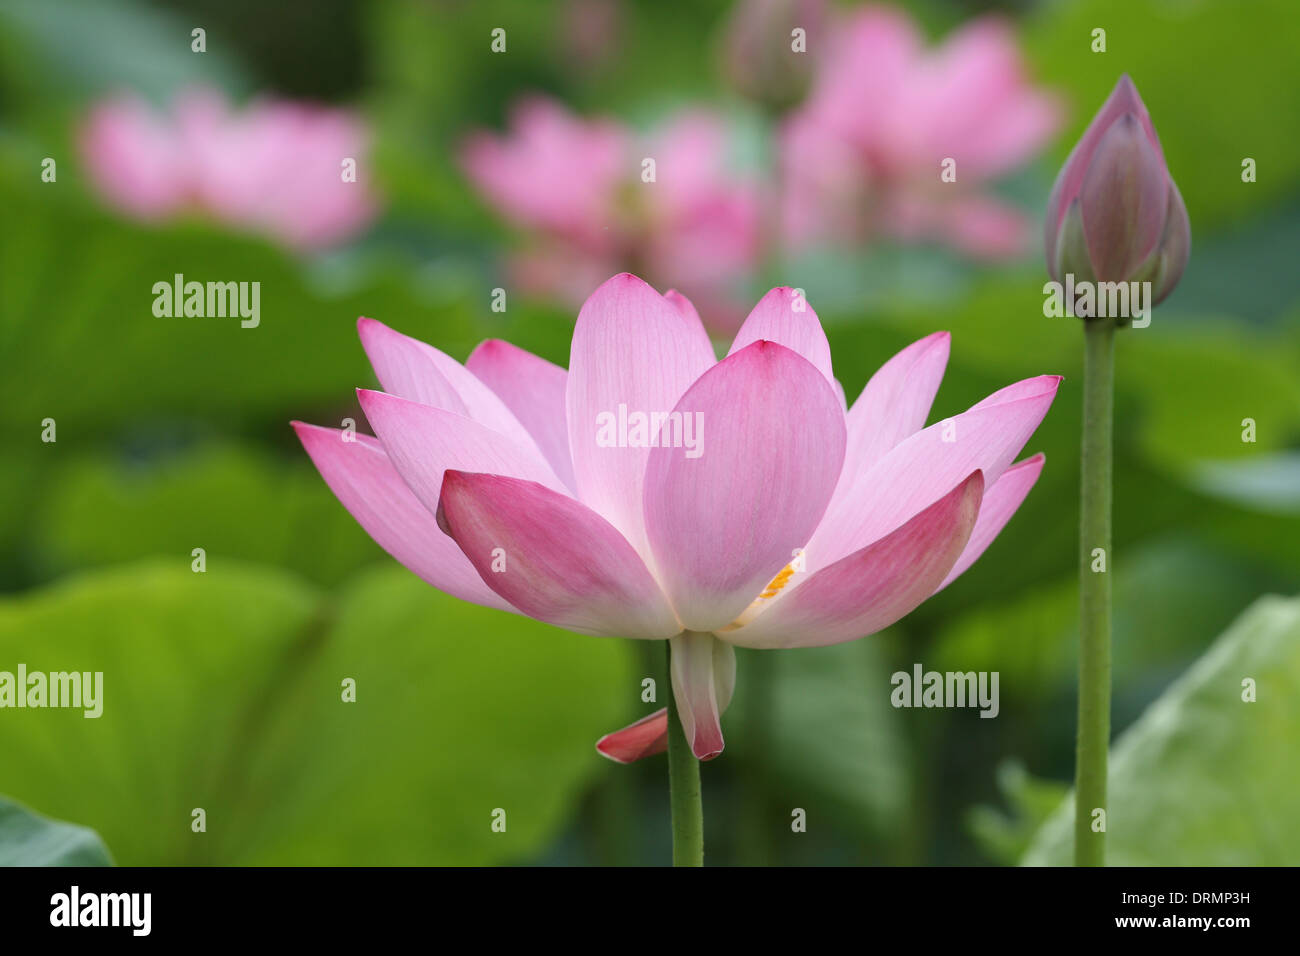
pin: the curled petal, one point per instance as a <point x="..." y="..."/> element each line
<point x="1000" y="502"/>
<point x="365" y="481"/>
<point x="697" y="662"/>
<point x="649" y="735"/>
<point x="923" y="468"/>
<point x="553" y="557"/>
<point x="874" y="587"/>
<point x="645" y="738"/>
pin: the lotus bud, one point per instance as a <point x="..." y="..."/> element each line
<point x="1115" y="214"/>
<point x="765" y="55"/>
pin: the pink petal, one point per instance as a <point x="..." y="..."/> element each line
<point x="422" y="442"/>
<point x="632" y="348"/>
<point x="1175" y="247"/>
<point x="723" y="519"/>
<point x="895" y="402"/>
<point x="922" y="468"/>
<point x="409" y="368"/>
<point x="700" y="665"/>
<point x="363" y="479"/>
<point x="533" y="389"/>
<point x="1123" y="99"/>
<point x="552" y="557"/>
<point x="874" y="587"/>
<point x="787" y="319"/>
<point x="649" y="735"/>
<point x="645" y="738"/>
<point x="1124" y="197"/>
<point x="1000" y="502"/>
<point x="683" y="305"/>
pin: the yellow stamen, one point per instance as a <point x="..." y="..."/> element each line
<point x="774" y="587"/>
<point x="778" y="582"/>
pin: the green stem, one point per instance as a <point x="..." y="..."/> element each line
<point x="1094" y="590"/>
<point x="755" y="843"/>
<point x="683" y="790"/>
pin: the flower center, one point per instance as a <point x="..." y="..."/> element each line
<point x="773" y="588"/>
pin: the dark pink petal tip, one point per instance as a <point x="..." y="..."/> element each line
<point x="706" y="751"/>
<point x="645" y="738"/>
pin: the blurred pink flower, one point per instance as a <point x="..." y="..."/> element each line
<point x="274" y="168"/>
<point x="760" y="511"/>
<point x="863" y="156"/>
<point x="575" y="185"/>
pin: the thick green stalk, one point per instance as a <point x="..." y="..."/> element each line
<point x="683" y="789"/>
<point x="755" y="846"/>
<point x="1094" y="591"/>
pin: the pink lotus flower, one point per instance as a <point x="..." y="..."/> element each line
<point x="274" y="168"/>
<point x="576" y="186"/>
<point x="863" y="156"/>
<point x="1115" y="214"/>
<point x="790" y="522"/>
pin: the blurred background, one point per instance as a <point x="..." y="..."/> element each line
<point x="133" y="149"/>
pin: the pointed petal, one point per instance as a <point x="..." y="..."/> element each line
<point x="422" y="442"/>
<point x="365" y="481"/>
<point x="786" y="318"/>
<point x="874" y="587"/>
<point x="697" y="660"/>
<point x="1175" y="247"/>
<point x="725" y="516"/>
<point x="631" y="347"/>
<point x="895" y="402"/>
<point x="1000" y="502"/>
<point x="922" y="468"/>
<point x="649" y="735"/>
<point x="683" y="305"/>
<point x="553" y="557"/>
<point x="533" y="389"/>
<point x="1124" y="197"/>
<point x="645" y="738"/>
<point x="1123" y="99"/>
<point x="415" y="370"/>
<point x="1072" y="249"/>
